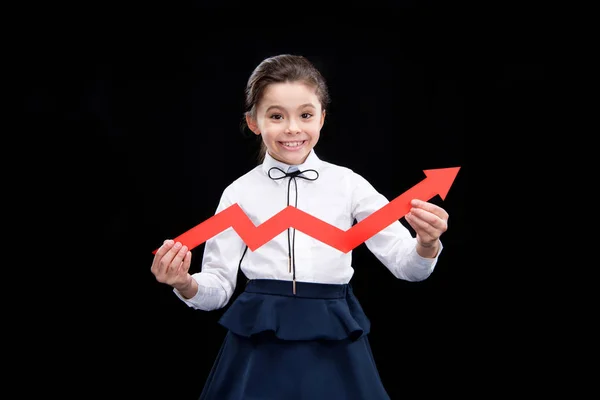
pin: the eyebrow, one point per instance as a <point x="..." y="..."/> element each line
<point x="302" y="106"/>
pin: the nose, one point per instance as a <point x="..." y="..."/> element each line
<point x="293" y="126"/>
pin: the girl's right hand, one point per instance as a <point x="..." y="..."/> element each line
<point x="171" y="264"/>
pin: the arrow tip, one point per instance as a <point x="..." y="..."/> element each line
<point x="442" y="179"/>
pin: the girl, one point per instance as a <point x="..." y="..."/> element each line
<point x="296" y="331"/>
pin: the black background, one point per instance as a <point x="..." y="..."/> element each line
<point x="152" y="109"/>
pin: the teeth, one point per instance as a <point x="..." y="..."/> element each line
<point x="292" y="144"/>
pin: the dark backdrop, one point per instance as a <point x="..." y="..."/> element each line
<point x="154" y="116"/>
<point x="395" y="112"/>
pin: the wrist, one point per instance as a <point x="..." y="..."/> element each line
<point x="428" y="250"/>
<point x="185" y="286"/>
<point x="427" y="245"/>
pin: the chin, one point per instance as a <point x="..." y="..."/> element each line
<point x="293" y="160"/>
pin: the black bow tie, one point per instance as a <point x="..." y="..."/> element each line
<point x="293" y="174"/>
<point x="291" y="242"/>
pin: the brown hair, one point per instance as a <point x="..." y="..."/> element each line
<point x="279" y="69"/>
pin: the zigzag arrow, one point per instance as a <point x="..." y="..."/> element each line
<point x="437" y="182"/>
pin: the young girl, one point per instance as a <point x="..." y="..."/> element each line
<point x="296" y="331"/>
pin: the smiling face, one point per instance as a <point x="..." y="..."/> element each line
<point x="289" y="117"/>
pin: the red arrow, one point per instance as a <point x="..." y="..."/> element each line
<point x="438" y="182"/>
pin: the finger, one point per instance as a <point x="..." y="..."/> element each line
<point x="415" y="223"/>
<point x="432" y="208"/>
<point x="165" y="262"/>
<point x="428" y="217"/>
<point x="422" y="227"/>
<point x="187" y="261"/>
<point x="160" y="253"/>
<point x="178" y="258"/>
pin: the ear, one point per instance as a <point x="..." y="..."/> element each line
<point x="252" y="124"/>
<point x="322" y="119"/>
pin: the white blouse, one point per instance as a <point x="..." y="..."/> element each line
<point x="337" y="196"/>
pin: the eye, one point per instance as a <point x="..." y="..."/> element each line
<point x="306" y="115"/>
<point x="276" y="116"/>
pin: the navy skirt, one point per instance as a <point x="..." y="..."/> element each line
<point x="311" y="345"/>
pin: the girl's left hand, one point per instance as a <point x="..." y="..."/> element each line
<point x="428" y="220"/>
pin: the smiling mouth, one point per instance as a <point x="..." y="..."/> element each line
<point x="293" y="144"/>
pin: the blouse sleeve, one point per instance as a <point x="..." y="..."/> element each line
<point x="218" y="275"/>
<point x="394" y="246"/>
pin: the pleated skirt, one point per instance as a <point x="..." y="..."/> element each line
<point x="311" y="345"/>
